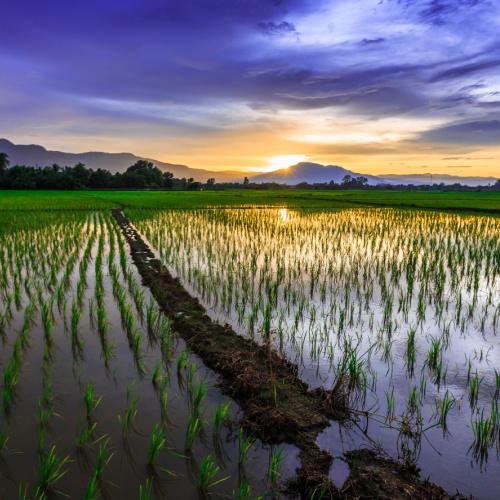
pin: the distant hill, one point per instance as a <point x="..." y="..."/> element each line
<point x="35" y="155"/>
<point x="314" y="173"/>
<point x="439" y="178"/>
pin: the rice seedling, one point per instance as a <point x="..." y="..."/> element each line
<point x="391" y="405"/>
<point x="127" y="419"/>
<point x="244" y="490"/>
<point x="47" y="321"/>
<point x="277" y="457"/>
<point x="182" y="361"/>
<point x="320" y="492"/>
<point x="483" y="429"/>
<point x="191" y="371"/>
<point x="75" y="320"/>
<point x="221" y="415"/>
<point x="474" y="385"/>
<point x="166" y="337"/>
<point x="93" y="488"/>
<point x="10" y="379"/>
<point x="245" y="443"/>
<point x="51" y="469"/>
<point x="91" y="400"/>
<point x="4" y="439"/>
<point x="104" y="456"/>
<point x="85" y="435"/>
<point x="24" y="494"/>
<point x="193" y="429"/>
<point x="157" y="443"/>
<point x="157" y="375"/>
<point x="207" y="475"/>
<point x="411" y="356"/>
<point x="152" y="318"/>
<point x="443" y="407"/>
<point x="362" y="300"/>
<point x="102" y="323"/>
<point x="146" y="490"/>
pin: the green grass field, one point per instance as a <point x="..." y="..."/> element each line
<point x="97" y="200"/>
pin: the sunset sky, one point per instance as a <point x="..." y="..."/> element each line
<point x="377" y="86"/>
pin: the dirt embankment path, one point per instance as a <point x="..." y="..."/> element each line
<point x="277" y="406"/>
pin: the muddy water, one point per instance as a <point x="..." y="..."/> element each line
<point x="176" y="471"/>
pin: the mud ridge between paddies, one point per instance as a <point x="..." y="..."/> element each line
<point x="277" y="406"/>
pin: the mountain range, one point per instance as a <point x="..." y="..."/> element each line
<point x="36" y="155"/>
<point x="314" y="173"/>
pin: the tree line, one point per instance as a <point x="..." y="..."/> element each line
<point x="142" y="175"/>
<point x="145" y="175"/>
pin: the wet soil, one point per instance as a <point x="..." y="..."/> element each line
<point x="277" y="406"/>
<point x="373" y="476"/>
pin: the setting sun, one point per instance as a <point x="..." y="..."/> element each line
<point x="283" y="161"/>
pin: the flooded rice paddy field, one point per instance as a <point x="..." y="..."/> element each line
<point x="100" y="398"/>
<point x="400" y="307"/>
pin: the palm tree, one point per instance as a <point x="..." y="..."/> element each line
<point x="4" y="162"/>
